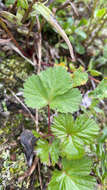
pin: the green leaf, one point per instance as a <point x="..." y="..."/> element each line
<point x="81" y="33"/>
<point x="72" y="40"/>
<point x="74" y="176"/>
<point x="48" y="15"/>
<point x="101" y="90"/>
<point x="23" y="4"/>
<point x="63" y="45"/>
<point x="54" y="151"/>
<point x="20" y="13"/>
<point x="42" y="150"/>
<point x="79" y="78"/>
<point x="105" y="52"/>
<point x="48" y="151"/>
<point x="74" y="135"/>
<point x="53" y="87"/>
<point x="82" y="22"/>
<point x="95" y="73"/>
<point x="9" y="2"/>
<point x="80" y="49"/>
<point x="36" y="134"/>
<point x="100" y="12"/>
<point x="10" y="17"/>
<point x="68" y="102"/>
<point x="102" y="59"/>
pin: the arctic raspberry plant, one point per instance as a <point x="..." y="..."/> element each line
<point x="69" y="137"/>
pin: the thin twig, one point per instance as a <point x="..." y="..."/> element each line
<point x="74" y="8"/>
<point x="92" y="78"/>
<point x="13" y="7"/>
<point x="29" y="171"/>
<point x="97" y="32"/>
<point x="12" y="46"/>
<point x="65" y="4"/>
<point x="11" y="36"/>
<point x="28" y="11"/>
<point x="39" y="45"/>
<point x="92" y="16"/>
<point x="39" y="55"/>
<point x="28" y="35"/>
<point x="22" y="104"/>
<point x="40" y="178"/>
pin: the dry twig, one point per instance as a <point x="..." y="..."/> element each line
<point x="24" y="106"/>
<point x="29" y="171"/>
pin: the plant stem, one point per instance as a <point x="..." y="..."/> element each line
<point x="28" y="11"/>
<point x="49" y="123"/>
<point x="11" y="36"/>
<point x="39" y="54"/>
<point x="98" y="30"/>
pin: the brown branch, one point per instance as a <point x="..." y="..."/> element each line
<point x="11" y="36"/>
<point x="74" y="8"/>
<point x="92" y="78"/>
<point x="13" y="7"/>
<point x="63" y="5"/>
<point x="24" y="106"/>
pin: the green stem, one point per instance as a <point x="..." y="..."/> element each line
<point x="28" y="11"/>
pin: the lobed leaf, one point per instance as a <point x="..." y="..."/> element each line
<point x="101" y="90"/>
<point x="79" y="78"/>
<point x="74" y="135"/>
<point x="48" y="151"/>
<point x="52" y="87"/>
<point x="74" y="176"/>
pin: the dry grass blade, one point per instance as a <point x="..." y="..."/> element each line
<point x="30" y="170"/>
<point x="4" y="41"/>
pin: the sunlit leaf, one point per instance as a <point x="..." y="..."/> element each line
<point x="95" y="73"/>
<point x="36" y="134"/>
<point x="22" y="3"/>
<point x="82" y="22"/>
<point x="79" y="78"/>
<point x="100" y="12"/>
